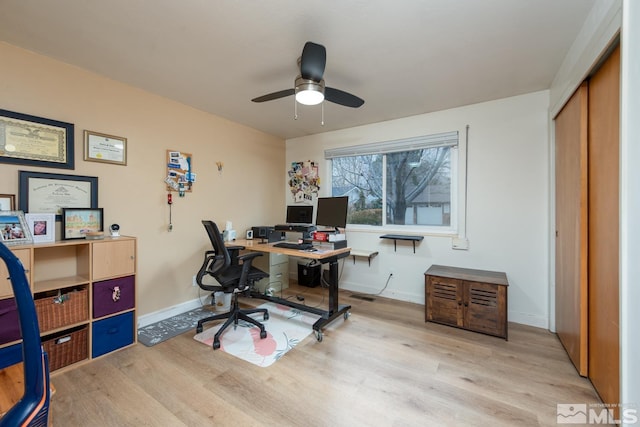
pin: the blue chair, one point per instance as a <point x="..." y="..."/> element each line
<point x="33" y="408"/>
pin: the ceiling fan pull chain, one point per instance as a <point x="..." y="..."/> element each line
<point x="322" y="121"/>
<point x="295" y="109"/>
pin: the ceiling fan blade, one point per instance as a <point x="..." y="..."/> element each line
<point x="341" y="97"/>
<point x="274" y="95"/>
<point x="312" y="61"/>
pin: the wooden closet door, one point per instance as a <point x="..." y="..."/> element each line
<point x="571" y="227"/>
<point x="604" y="171"/>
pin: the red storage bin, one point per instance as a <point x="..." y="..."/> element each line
<point x="113" y="296"/>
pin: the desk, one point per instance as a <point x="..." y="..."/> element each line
<point x="325" y="255"/>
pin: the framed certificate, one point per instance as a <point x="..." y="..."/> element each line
<point x="35" y="141"/>
<point x="41" y="192"/>
<point x="100" y="147"/>
<point x="7" y="202"/>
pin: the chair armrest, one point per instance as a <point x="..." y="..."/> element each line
<point x="209" y="257"/>
<point x="235" y="248"/>
<point x="249" y="256"/>
<point x="246" y="259"/>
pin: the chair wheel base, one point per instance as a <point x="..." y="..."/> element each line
<point x="199" y="329"/>
<point x="266" y="316"/>
<point x="216" y="345"/>
<point x="263" y="334"/>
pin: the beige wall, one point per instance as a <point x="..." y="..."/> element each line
<point x="247" y="192"/>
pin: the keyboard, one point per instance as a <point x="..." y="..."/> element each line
<point x="289" y="245"/>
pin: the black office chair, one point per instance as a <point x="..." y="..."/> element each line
<point x="234" y="276"/>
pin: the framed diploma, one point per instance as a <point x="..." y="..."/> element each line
<point x="41" y="192"/>
<point x="100" y="147"/>
<point x="7" y="202"/>
<point x="35" y="141"/>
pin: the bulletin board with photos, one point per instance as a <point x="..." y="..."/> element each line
<point x="180" y="174"/>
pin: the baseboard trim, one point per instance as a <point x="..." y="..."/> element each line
<point x="513" y="316"/>
<point x="165" y="313"/>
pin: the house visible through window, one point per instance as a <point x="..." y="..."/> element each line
<point x="398" y="183"/>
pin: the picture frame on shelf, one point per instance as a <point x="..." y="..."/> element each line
<point x="77" y="222"/>
<point x="36" y="141"/>
<point x="42" y="227"/>
<point x="49" y="192"/>
<point x="14" y="229"/>
<point x="7" y="202"/>
<point x="103" y="148"/>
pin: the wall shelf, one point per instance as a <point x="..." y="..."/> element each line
<point x="396" y="237"/>
<point x="363" y="254"/>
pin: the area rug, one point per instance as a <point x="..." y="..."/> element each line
<point x="158" y="332"/>
<point x="286" y="328"/>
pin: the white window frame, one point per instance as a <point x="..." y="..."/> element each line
<point x="458" y="179"/>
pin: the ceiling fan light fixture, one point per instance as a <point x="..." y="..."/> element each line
<point x="309" y="92"/>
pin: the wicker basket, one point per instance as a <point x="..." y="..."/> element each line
<point x="56" y="312"/>
<point x="66" y="349"/>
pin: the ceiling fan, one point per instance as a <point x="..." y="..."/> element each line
<point x="309" y="88"/>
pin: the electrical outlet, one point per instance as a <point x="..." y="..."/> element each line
<point x="194" y="282"/>
<point x="460" y="243"/>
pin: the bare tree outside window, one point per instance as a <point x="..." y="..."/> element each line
<point x="418" y="187"/>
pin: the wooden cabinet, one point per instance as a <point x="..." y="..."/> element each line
<point x="113" y="258"/>
<point x="470" y="299"/>
<point x="24" y="255"/>
<point x="84" y="292"/>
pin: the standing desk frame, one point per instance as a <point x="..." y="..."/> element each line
<point x="325" y="256"/>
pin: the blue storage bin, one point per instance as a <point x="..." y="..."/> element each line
<point x="10" y="355"/>
<point x="112" y="333"/>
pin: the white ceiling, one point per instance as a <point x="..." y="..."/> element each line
<point x="403" y="57"/>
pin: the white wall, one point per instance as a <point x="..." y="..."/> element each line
<point x="630" y="206"/>
<point x="507" y="203"/>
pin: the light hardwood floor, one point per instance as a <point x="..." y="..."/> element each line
<point x="384" y="366"/>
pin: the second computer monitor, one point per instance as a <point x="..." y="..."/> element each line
<point x="332" y="212"/>
<point x="300" y="214"/>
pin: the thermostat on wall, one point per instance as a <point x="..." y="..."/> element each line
<point x="115" y="230"/>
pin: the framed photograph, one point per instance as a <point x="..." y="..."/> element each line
<point x="35" y="141"/>
<point x="42" y="227"/>
<point x="50" y="192"/>
<point x="7" y="202"/>
<point x="100" y="147"/>
<point x="76" y="222"/>
<point x="14" y="229"/>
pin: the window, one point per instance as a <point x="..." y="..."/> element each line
<point x="405" y="183"/>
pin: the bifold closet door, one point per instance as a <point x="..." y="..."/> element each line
<point x="604" y="171"/>
<point x="571" y="227"/>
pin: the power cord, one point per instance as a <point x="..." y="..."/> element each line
<point x="374" y="295"/>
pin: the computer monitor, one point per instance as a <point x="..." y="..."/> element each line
<point x="300" y="214"/>
<point x="332" y="211"/>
